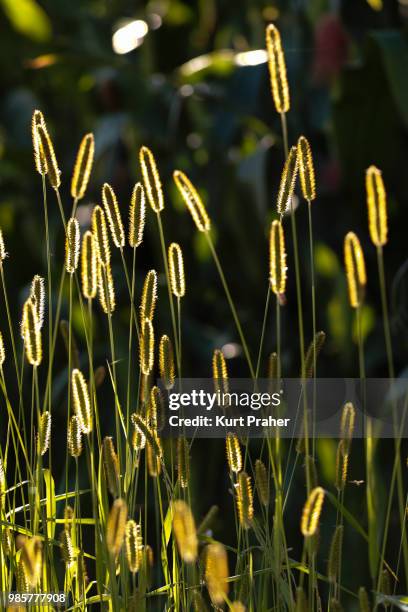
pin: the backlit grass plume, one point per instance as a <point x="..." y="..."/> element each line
<point x="234" y="455"/>
<point x="147" y="347"/>
<point x="288" y="181"/>
<point x="106" y="289"/>
<point x="133" y="546"/>
<point x="313" y="352"/>
<point x="2" y="350"/>
<point x="262" y="482"/>
<point x="31" y="333"/>
<point x="377" y="206"/>
<point x="83" y="167"/>
<point x="166" y="362"/>
<point x="311" y="512"/>
<point x="100" y="234"/>
<point x="39" y="159"/>
<point x="137" y="216"/>
<point x="155" y="408"/>
<point x="245" y="503"/>
<point x="220" y="372"/>
<point x="342" y="459"/>
<point x="111" y="465"/>
<point x="149" y="296"/>
<point x="183" y="462"/>
<point x="138" y="437"/>
<point x="216" y="572"/>
<point x="112" y="211"/>
<point x="3" y="253"/>
<point x="148" y="433"/>
<point x="154" y="465"/>
<point x="67" y="549"/>
<point x="184" y="530"/>
<point x="151" y="179"/>
<point x="82" y="404"/>
<point x="277" y="69"/>
<point x="333" y="564"/>
<point x="176" y="270"/>
<point x="306" y="169"/>
<point x="44" y="432"/>
<point x="37" y="293"/>
<point x="72" y="243"/>
<point x="116" y="526"/>
<point x="355" y="270"/>
<point x="89" y="266"/>
<point x="32" y="559"/>
<point x="277" y="259"/>
<point x="347" y="424"/>
<point x="47" y="149"/>
<point x="193" y="201"/>
<point x="74" y="436"/>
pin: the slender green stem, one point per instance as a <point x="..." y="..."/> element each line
<point x="314" y="326"/>
<point x="261" y="342"/>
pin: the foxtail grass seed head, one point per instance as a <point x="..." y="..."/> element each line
<point x="313" y="352"/>
<point x="363" y="600"/>
<point x="138" y="438"/>
<point x="45" y="432"/>
<point x="3" y="253"/>
<point x="72" y="243"/>
<point x="74" y="436"/>
<point x="112" y="211"/>
<point x="83" y="167"/>
<point x="31" y="334"/>
<point x="149" y="296"/>
<point x="133" y="546"/>
<point x="234" y="455"/>
<point x="38" y="293"/>
<point x="347" y="423"/>
<point x="39" y="159"/>
<point x="137" y="216"/>
<point x="216" y="572"/>
<point x="47" y="149"/>
<point x="69" y="516"/>
<point x="301" y="601"/>
<point x="155" y="409"/>
<point x="67" y="549"/>
<point x="220" y="372"/>
<point x="176" y="270"/>
<point x="2" y="350"/>
<point x="100" y="233"/>
<point x="2" y="480"/>
<point x="151" y="179"/>
<point x="106" y="289"/>
<point x="333" y="565"/>
<point x="89" y="269"/>
<point x="277" y="69"/>
<point x="192" y="200"/>
<point x="7" y="541"/>
<point x="82" y="404"/>
<point x="147" y="432"/>
<point x="116" y="526"/>
<point x="355" y="270"/>
<point x="277" y="259"/>
<point x="31" y="557"/>
<point x="311" y="512"/>
<point x="185" y="531"/>
<point x="245" y="501"/>
<point x="377" y="206"/>
<point x="342" y="459"/>
<point x="22" y="584"/>
<point x="306" y="169"/>
<point x="147" y="347"/>
<point x="153" y="460"/>
<point x="183" y="462"/>
<point x="111" y="465"/>
<point x="288" y="181"/>
<point x="166" y="362"/>
<point x="262" y="482"/>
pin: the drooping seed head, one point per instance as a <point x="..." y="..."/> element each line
<point x="185" y="531"/>
<point x="137" y="216"/>
<point x="234" y="455"/>
<point x="154" y="465"/>
<point x="355" y="269"/>
<point x="193" y="201"/>
<point x="31" y="333"/>
<point x="67" y="549"/>
<point x="47" y="149"/>
<point x="155" y="409"/>
<point x="45" y="432"/>
<point x="89" y="268"/>
<point x="112" y="211"/>
<point x="288" y="181"/>
<point x="80" y="396"/>
<point x="151" y="179"/>
<point x="216" y="572"/>
<point x="347" y="422"/>
<point x="306" y="169"/>
<point x="147" y="347"/>
<point x="377" y="206"/>
<point x="245" y="502"/>
<point x="38" y="293"/>
<point x="31" y="557"/>
<point x="183" y="462"/>
<point x="311" y="512"/>
<point x="138" y="438"/>
<point x="39" y="159"/>
<point x="176" y="270"/>
<point x="116" y="526"/>
<point x="150" y="435"/>
<point x="277" y="259"/>
<point x="100" y="234"/>
<point x="262" y="482"/>
<point x="2" y="350"/>
<point x="149" y="296"/>
<point x="220" y="372"/>
<point x="3" y="253"/>
<point x="74" y="436"/>
<point x="134" y="546"/>
<point x="72" y="243"/>
<point x="166" y="362"/>
<point x="111" y="465"/>
<point x="313" y="352"/>
<point x="83" y="166"/>
<point x="333" y="565"/>
<point x="106" y="289"/>
<point x="277" y="70"/>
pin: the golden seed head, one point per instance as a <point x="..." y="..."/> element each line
<point x="40" y="162"/>
<point x="83" y="166"/>
<point x="82" y="405"/>
<point x="134" y="546"/>
<point x="342" y="459"/>
<point x="31" y="557"/>
<point x="150" y="435"/>
<point x="333" y="565"/>
<point x="151" y="179"/>
<point x="262" y="482"/>
<point x="216" y="572"/>
<point x="89" y="269"/>
<point x="176" y="270"/>
<point x="3" y="253"/>
<point x="306" y="169"/>
<point x="185" y="531"/>
<point x="277" y="69"/>
<point x="31" y="333"/>
<point x="45" y="432"/>
<point x="166" y="362"/>
<point x="75" y="436"/>
<point x="313" y="352"/>
<point x="112" y="211"/>
<point x="245" y="502"/>
<point x="347" y="422"/>
<point x="220" y="372"/>
<point x="192" y="200"/>
<point x="138" y="438"/>
<point x="106" y="289"/>
<point x="22" y="583"/>
<point x="155" y="409"/>
<point x="137" y="216"/>
<point x="7" y="541"/>
<point x="153" y="460"/>
<point x="183" y="462"/>
<point x="147" y="347"/>
<point x="2" y="479"/>
<point x="2" y="350"/>
<point x="311" y="512"/>
<point x="47" y="149"/>
<point x="116" y="526"/>
<point x="72" y="242"/>
<point x="377" y="206"/>
<point x="37" y="292"/>
<point x="288" y="181"/>
<point x="234" y="456"/>
<point x="149" y="296"/>
<point x="277" y="259"/>
<point x="69" y="516"/>
<point x="111" y="465"/>
<point x="67" y="550"/>
<point x="355" y="269"/>
<point x="101" y="237"/>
